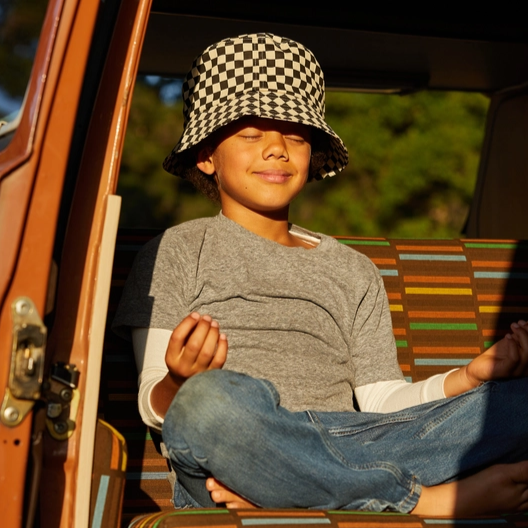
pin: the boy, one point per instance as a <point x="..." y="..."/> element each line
<point x="272" y="422"/>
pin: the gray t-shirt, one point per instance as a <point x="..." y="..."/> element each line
<point x="315" y="322"/>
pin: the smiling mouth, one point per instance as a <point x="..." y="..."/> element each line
<point x="274" y="176"/>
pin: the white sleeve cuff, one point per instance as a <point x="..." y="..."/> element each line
<point x="148" y="415"/>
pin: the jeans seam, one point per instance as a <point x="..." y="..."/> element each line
<point x="449" y="411"/>
<point x="411" y="500"/>
<point x="385" y="466"/>
<point x="323" y="432"/>
<point x="346" y="431"/>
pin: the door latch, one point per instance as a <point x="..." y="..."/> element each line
<point x="62" y="400"/>
<point x="27" y="362"/>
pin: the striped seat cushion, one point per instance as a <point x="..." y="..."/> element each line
<point x="222" y="518"/>
<point x="449" y="301"/>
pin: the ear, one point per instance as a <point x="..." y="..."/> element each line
<point x="204" y="160"/>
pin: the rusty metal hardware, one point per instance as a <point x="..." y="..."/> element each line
<point x="27" y="362"/>
<point x="62" y="400"/>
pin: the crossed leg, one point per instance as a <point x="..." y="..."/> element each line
<point x="498" y="488"/>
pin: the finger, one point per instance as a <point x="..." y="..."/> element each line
<point x="221" y="353"/>
<point x="180" y="335"/>
<point x="521" y="338"/>
<point x="208" y="350"/>
<point x="512" y="357"/>
<point x="520" y="332"/>
<point x="193" y="346"/>
<point x="519" y="324"/>
<point x="198" y="336"/>
<point x="517" y="359"/>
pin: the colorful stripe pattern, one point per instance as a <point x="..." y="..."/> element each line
<point x="449" y="300"/>
<point x="108" y="476"/>
<point x="311" y="519"/>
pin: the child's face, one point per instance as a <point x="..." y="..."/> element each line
<point x="259" y="164"/>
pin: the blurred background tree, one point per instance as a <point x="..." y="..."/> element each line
<point x="412" y="171"/>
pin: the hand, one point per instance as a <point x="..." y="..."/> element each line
<point x="223" y="495"/>
<point x="196" y="345"/>
<point x="508" y="358"/>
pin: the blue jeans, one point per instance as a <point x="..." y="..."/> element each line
<point x="232" y="427"/>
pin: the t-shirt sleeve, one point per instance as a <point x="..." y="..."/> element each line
<point x="155" y="292"/>
<point x="373" y="344"/>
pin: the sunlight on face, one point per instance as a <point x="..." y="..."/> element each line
<point x="260" y="164"/>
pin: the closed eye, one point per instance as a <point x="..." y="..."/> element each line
<point x="296" y="139"/>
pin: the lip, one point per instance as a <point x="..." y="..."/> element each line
<point x="273" y="176"/>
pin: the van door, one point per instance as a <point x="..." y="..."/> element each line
<point x="60" y="144"/>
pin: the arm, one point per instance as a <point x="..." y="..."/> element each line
<point x="166" y="359"/>
<point x="395" y="395"/>
<point x="150" y="345"/>
<point x="196" y="345"/>
<point x="507" y="358"/>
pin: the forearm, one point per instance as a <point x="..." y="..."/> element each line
<point x="395" y="395"/>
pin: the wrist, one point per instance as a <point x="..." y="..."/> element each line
<point x="459" y="381"/>
<point x="162" y="394"/>
<point x="471" y="381"/>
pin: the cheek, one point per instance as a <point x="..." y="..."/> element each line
<point x="304" y="162"/>
<point x="229" y="161"/>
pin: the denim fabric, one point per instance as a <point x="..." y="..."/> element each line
<point x="232" y="426"/>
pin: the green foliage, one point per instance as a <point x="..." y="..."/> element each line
<point x="413" y="163"/>
<point x="412" y="170"/>
<point x="151" y="196"/>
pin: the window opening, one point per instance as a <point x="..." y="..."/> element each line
<point x="412" y="170"/>
<point x="20" y="25"/>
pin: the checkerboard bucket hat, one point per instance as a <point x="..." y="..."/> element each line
<point x="260" y="75"/>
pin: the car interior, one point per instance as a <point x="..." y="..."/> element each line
<point x="450" y="299"/>
<point x="387" y="54"/>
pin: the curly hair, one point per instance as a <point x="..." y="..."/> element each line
<point x="206" y="183"/>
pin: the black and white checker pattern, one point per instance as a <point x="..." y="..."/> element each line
<point x="255" y="75"/>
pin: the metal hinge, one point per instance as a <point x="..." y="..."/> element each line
<point x="27" y="362"/>
<point x="62" y="400"/>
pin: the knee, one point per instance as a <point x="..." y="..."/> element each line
<point x="215" y="401"/>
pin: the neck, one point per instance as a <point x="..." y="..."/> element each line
<point x="272" y="225"/>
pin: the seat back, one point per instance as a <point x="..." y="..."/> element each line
<point x="449" y="301"/>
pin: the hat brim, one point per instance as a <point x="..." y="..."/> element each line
<point x="282" y="106"/>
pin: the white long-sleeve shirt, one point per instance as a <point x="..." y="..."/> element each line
<point x="150" y="345"/>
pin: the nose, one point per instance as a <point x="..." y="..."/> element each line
<point x="275" y="146"/>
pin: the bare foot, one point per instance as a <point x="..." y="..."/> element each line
<point x="497" y="489"/>
<point x="222" y="494"/>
